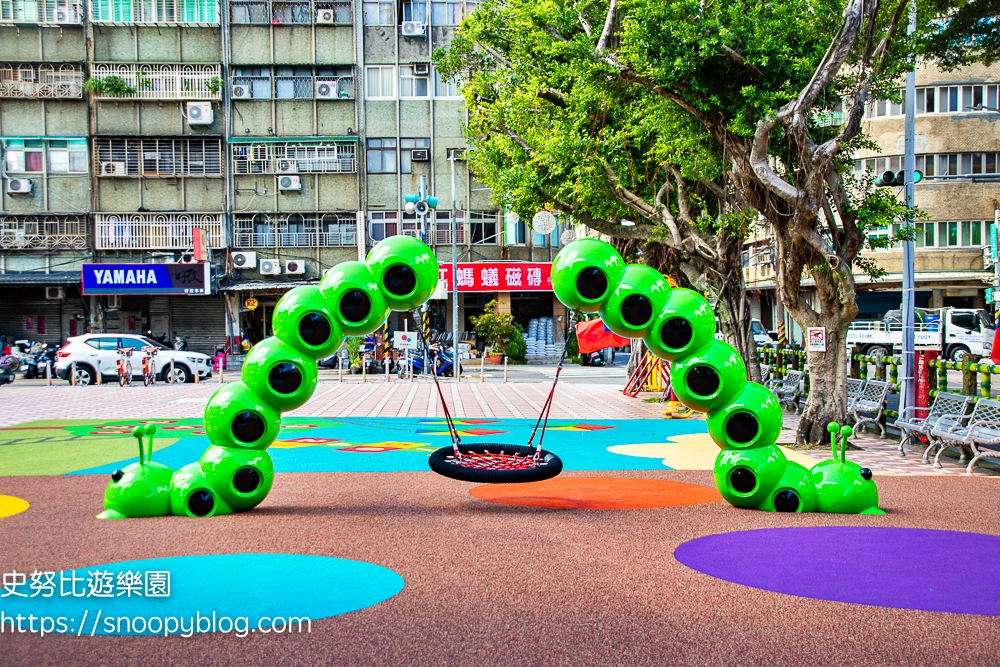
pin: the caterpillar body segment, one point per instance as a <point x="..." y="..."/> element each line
<point x="242" y="419"/>
<point x="709" y="376"/>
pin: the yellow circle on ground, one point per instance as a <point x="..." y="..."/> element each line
<point x="9" y="505"/>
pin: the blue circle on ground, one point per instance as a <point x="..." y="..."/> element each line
<point x="252" y="590"/>
<point x="882" y="567"/>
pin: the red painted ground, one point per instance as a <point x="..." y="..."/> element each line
<point x="597" y="493"/>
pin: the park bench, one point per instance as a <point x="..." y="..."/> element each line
<point x="869" y="405"/>
<point x="911" y="427"/>
<point x="765" y="374"/>
<point x="854" y="389"/>
<point x="980" y="434"/>
<point x="787" y="389"/>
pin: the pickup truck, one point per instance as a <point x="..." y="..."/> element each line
<point x="954" y="332"/>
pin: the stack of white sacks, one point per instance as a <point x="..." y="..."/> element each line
<point x="539" y="338"/>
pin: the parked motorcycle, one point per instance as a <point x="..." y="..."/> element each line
<point x="180" y="343"/>
<point x="593" y="359"/>
<point x="6" y="375"/>
<point x="442" y="359"/>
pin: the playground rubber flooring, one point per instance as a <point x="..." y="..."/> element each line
<point x="627" y="558"/>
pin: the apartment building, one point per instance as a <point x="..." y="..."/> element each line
<point x="250" y="144"/>
<point x="957" y="145"/>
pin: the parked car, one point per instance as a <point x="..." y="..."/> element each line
<point x="93" y="351"/>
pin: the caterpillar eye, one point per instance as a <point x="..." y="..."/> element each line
<point x="246" y="480"/>
<point x="314" y="329"/>
<point x="248" y="426"/>
<point x="355" y="306"/>
<point x="866" y="474"/>
<point x="117" y="475"/>
<point x="743" y="480"/>
<point x="200" y="502"/>
<point x="786" y="501"/>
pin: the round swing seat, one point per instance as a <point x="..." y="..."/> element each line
<point x="492" y="463"/>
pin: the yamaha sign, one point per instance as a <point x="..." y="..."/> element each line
<point x="147" y="279"/>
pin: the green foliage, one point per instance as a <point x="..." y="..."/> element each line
<point x="112" y="86"/>
<point x="517" y="348"/>
<point x="214" y="85"/>
<point x="970" y="33"/>
<point x="353" y="346"/>
<point x="497" y="329"/>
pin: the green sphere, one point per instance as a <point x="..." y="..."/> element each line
<point x="746" y="477"/>
<point x="585" y="273"/>
<point x="237" y="417"/>
<point x="192" y="495"/>
<point x="844" y="487"/>
<point x="685" y="323"/>
<point x="708" y="378"/>
<point x="751" y="419"/>
<point x="142" y="490"/>
<point x="636" y="302"/>
<point x="405" y="269"/>
<point x="242" y="478"/>
<point x="354" y="298"/>
<point x="301" y="319"/>
<point x="279" y="374"/>
<point x="794" y="492"/>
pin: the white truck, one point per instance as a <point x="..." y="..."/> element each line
<point x="953" y="332"/>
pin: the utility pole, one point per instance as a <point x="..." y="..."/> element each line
<point x="452" y="156"/>
<point x="906" y="386"/>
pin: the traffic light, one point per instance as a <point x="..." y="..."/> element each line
<point x="895" y="178"/>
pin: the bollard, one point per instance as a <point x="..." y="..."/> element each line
<point x="222" y="373"/>
<point x="364" y="369"/>
<point x="385" y="360"/>
<point x="48" y="372"/>
<point x="99" y="381"/>
<point x="482" y="368"/>
<point x="505" y="368"/>
<point x="942" y="373"/>
<point x="72" y="374"/>
<point x="196" y="374"/>
<point x="340" y="369"/>
<point x="172" y="378"/>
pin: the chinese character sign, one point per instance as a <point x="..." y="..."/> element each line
<point x="499" y="276"/>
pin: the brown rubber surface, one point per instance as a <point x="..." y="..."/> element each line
<point x="490" y="584"/>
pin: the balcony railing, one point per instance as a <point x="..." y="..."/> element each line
<point x="274" y="230"/>
<point x="274" y="12"/>
<point x="161" y="82"/>
<point x="157" y="158"/>
<point x="245" y="88"/>
<point x="155" y="12"/>
<point x="155" y="231"/>
<point x="27" y="232"/>
<point x="27" y="80"/>
<point x="295" y="158"/>
<point x="442" y="232"/>
<point x="41" y="12"/>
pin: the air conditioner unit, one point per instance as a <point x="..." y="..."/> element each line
<point x="325" y="16"/>
<point x="112" y="169"/>
<point x="292" y="183"/>
<point x="326" y="90"/>
<point x="286" y="166"/>
<point x="53" y="293"/>
<point x="240" y="91"/>
<point x="294" y="266"/>
<point x="19" y="186"/>
<point x="420" y="155"/>
<point x="244" y="260"/>
<point x="199" y="113"/>
<point x="421" y="68"/>
<point x="114" y="302"/>
<point x="413" y="29"/>
<point x="270" y="267"/>
<point x="64" y="13"/>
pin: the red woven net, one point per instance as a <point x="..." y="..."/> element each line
<point x="494" y="461"/>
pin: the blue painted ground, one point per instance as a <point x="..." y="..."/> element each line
<point x="353" y="443"/>
<point x="248" y="589"/>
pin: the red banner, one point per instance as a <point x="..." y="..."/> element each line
<point x="592" y="336"/>
<point x="499" y="276"/>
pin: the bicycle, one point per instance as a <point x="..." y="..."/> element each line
<point x="124" y="364"/>
<point x="149" y="366"/>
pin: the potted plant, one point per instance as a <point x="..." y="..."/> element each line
<point x="496" y="329"/>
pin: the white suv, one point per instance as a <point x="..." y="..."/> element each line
<point x="97" y="351"/>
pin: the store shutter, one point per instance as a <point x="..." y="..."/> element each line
<point x="24" y="306"/>
<point x="200" y="319"/>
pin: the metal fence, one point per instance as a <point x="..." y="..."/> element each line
<point x="155" y="231"/>
<point x="271" y="230"/>
<point x="29" y="80"/>
<point x="57" y="12"/>
<point x="43" y="232"/>
<point x="162" y="82"/>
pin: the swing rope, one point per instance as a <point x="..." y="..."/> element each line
<point x="547" y="407"/>
<point x="452" y="429"/>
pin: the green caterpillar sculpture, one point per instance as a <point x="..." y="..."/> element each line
<point x="708" y="375"/>
<point x="242" y="418"/>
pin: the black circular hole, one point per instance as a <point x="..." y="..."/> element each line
<point x="400" y="280"/>
<point x="676" y="333"/>
<point x="591" y="283"/>
<point x="248" y="426"/>
<point x="246" y="480"/>
<point x="285" y="378"/>
<point x="742" y="480"/>
<point x="786" y="501"/>
<point x="637" y="310"/>
<point x="742" y="427"/>
<point x="314" y="329"/>
<point x="355" y="305"/>
<point x="866" y="474"/>
<point x="200" y="502"/>
<point x="703" y="380"/>
<point x="117" y="475"/>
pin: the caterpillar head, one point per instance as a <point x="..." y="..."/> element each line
<point x="138" y="490"/>
<point x="844" y="487"/>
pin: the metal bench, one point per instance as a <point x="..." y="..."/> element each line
<point x="787" y="389"/>
<point x="854" y="389"/>
<point x="868" y="406"/>
<point x="911" y="427"/>
<point x="765" y="374"/>
<point x="980" y="434"/>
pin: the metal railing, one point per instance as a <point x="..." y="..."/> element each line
<point x="442" y="232"/>
<point x="28" y="80"/>
<point x="162" y="82"/>
<point x="57" y="12"/>
<point x="43" y="232"/>
<point x="155" y="12"/>
<point x="271" y="230"/>
<point x="294" y="158"/>
<point x="155" y="231"/>
<point x="305" y="12"/>
<point x="157" y="158"/>
<point x="292" y="87"/>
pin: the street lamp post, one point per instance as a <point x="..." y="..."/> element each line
<point x="906" y="393"/>
<point x="452" y="156"/>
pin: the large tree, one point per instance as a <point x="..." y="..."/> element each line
<point x="688" y="116"/>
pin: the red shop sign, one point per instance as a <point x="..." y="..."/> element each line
<point x="499" y="276"/>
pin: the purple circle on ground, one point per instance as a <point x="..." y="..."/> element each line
<point x="883" y="567"/>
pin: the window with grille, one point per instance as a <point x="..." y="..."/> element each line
<point x="251" y="83"/>
<point x="293" y="83"/>
<point x="155" y="11"/>
<point x="306" y="157"/>
<point x="158" y="157"/>
<point x="483" y="227"/>
<point x="383" y="224"/>
<point x="381" y="156"/>
<point x="380" y="82"/>
<point x="443" y="227"/>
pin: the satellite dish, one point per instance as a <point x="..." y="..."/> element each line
<point x="567" y="237"/>
<point x="543" y="222"/>
<point x="511" y="218"/>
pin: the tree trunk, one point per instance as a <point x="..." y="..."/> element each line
<point x="827" y="400"/>
<point x="732" y="303"/>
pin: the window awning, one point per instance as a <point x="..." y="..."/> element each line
<point x="40" y="278"/>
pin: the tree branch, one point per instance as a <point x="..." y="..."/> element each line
<point x="585" y="24"/>
<point x="553" y="96"/>
<point x="630" y="199"/>
<point x="517" y="139"/>
<point x="731" y="53"/>
<point x="609" y="26"/>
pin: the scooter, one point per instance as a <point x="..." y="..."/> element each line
<point x="444" y="364"/>
<point x="180" y="343"/>
<point x="593" y="359"/>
